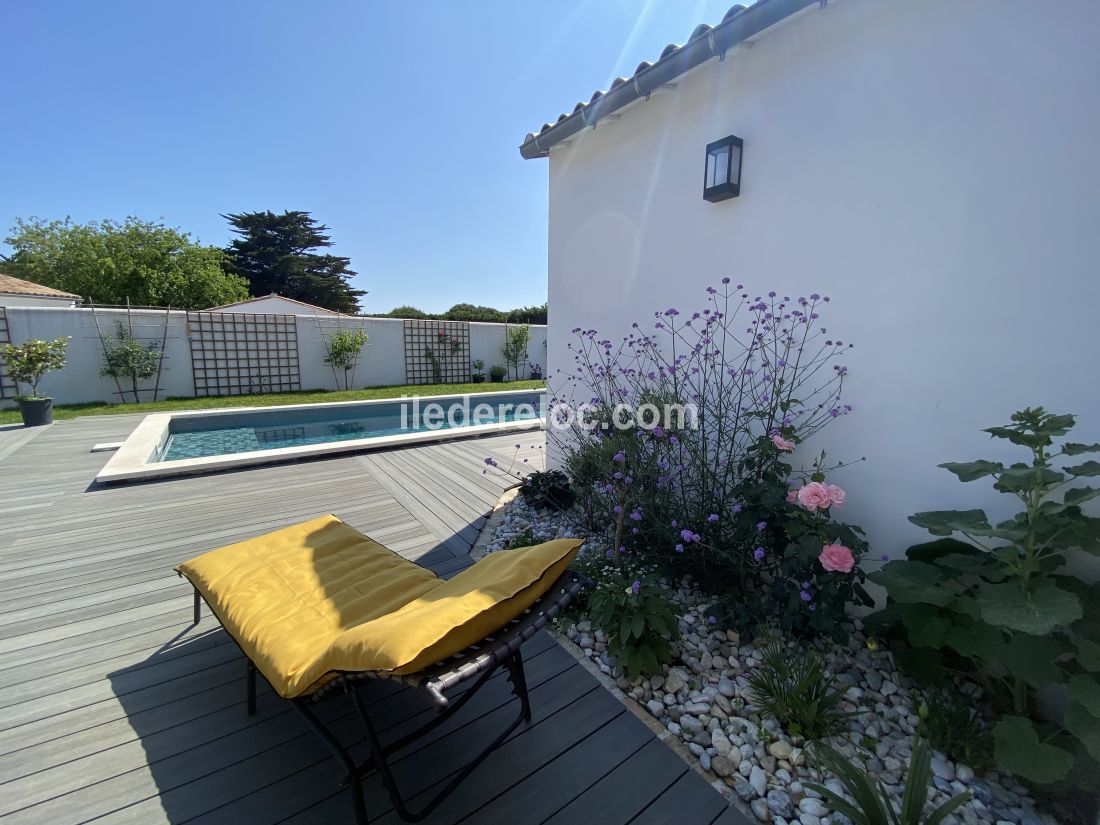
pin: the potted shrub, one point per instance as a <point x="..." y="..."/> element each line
<point x="497" y="373"/>
<point x="536" y="372"/>
<point x="479" y="371"/>
<point x="27" y="363"/>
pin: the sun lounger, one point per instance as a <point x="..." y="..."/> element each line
<point x="318" y="608"/>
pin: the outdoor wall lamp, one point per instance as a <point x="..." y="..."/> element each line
<point x="723" y="172"/>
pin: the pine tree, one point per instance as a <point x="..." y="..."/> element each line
<point x="274" y="254"/>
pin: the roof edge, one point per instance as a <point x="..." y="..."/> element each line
<point x="705" y="43"/>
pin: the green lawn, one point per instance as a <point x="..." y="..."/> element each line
<point x="61" y="411"/>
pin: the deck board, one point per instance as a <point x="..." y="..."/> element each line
<point x="114" y="707"/>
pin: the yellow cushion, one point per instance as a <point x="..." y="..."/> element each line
<point x="319" y="597"/>
<point x="458" y="613"/>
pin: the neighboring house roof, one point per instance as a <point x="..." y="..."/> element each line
<point x="274" y="295"/>
<point x="10" y="285"/>
<point x="705" y="43"/>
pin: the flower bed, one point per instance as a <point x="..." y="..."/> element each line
<point x="703" y="698"/>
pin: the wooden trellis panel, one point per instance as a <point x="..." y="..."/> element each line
<point x="8" y="389"/>
<point x="448" y="341"/>
<point x="236" y="353"/>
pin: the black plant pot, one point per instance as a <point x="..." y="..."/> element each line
<point x="536" y="376"/>
<point x="498" y="379"/>
<point x="36" y="411"/>
<point x="478" y="379"/>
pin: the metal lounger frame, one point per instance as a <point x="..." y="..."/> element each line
<point x="479" y="662"/>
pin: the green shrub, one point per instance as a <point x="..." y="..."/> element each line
<point x="125" y="357"/>
<point x="342" y="350"/>
<point x="525" y="539"/>
<point x="681" y="445"/>
<point x="793" y="685"/>
<point x="548" y="489"/>
<point x="869" y="803"/>
<point x="954" y="726"/>
<point x="29" y="361"/>
<point x="999" y="606"/>
<point x="638" y="618"/>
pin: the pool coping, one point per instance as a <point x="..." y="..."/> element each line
<point x="131" y="462"/>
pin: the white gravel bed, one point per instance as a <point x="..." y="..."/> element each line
<point x="704" y="700"/>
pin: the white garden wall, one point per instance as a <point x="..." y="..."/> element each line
<point x="382" y="361"/>
<point x="929" y="164"/>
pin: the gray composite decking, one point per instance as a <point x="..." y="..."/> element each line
<point x="114" y="708"/>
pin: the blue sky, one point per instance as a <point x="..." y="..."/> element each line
<point x="395" y="123"/>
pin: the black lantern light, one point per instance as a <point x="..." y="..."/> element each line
<point x="723" y="172"/>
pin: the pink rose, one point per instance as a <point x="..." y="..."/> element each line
<point x="783" y="444"/>
<point x="792" y="496"/>
<point x="836" y="495"/>
<point x="814" y="495"/>
<point x="837" y="558"/>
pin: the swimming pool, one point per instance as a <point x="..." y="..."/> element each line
<point x="175" y="443"/>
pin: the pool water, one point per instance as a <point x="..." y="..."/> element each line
<point x="249" y="431"/>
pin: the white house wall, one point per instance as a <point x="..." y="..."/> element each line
<point x="382" y="361"/>
<point x="275" y="305"/>
<point x="19" y="300"/>
<point x="929" y="164"/>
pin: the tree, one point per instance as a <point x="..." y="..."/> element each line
<point x="273" y="254"/>
<point x="108" y="262"/>
<point x="406" y="311"/>
<point x="470" y="312"/>
<point x="126" y="357"/>
<point x="342" y="352"/>
<point x="528" y="315"/>
<point x="514" y="350"/>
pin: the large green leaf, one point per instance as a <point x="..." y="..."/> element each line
<point x="1089" y="468"/>
<point x="1074" y="448"/>
<point x="931" y="551"/>
<point x="1079" y="495"/>
<point x="926" y="626"/>
<point x="883" y="621"/>
<point x="975" y="640"/>
<point x="973" y="470"/>
<point x="1055" y="424"/>
<point x="1031" y="658"/>
<point x="946" y="522"/>
<point x="1088" y="653"/>
<point x="1084" y="726"/>
<point x="1017" y="749"/>
<point x="1037" y="612"/>
<point x="1020" y="478"/>
<point x="1014" y="530"/>
<point x="1017" y="437"/>
<point x="912" y="582"/>
<point x="984" y="565"/>
<point x="1085" y="691"/>
<point x="925" y="664"/>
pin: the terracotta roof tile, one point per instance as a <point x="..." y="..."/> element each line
<point x="10" y="285"/>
